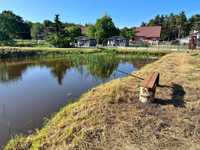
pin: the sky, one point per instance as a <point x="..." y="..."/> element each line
<point x="124" y="12"/>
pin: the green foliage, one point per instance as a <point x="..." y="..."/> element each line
<point x="58" y="25"/>
<point x="105" y="28"/>
<point x="14" y="25"/>
<point x="59" y="37"/>
<point x="37" y="31"/>
<point x="102" y="66"/>
<point x="74" y="31"/>
<point x="48" y="28"/>
<point x="5" y="39"/>
<point x="173" y="26"/>
<point x="127" y="32"/>
<point x="194" y="22"/>
<point x="32" y="43"/>
<point x="90" y="31"/>
<point x="60" y="41"/>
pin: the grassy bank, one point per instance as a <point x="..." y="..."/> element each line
<point x="21" y="52"/>
<point x="111" y="117"/>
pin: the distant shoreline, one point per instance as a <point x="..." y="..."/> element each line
<point x="24" y="52"/>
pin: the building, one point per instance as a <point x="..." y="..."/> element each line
<point x="197" y="34"/>
<point x="149" y="34"/>
<point x="186" y="40"/>
<point x="118" y="41"/>
<point x="83" y="41"/>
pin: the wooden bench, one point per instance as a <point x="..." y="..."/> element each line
<point x="148" y="87"/>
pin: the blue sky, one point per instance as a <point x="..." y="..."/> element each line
<point x="124" y="12"/>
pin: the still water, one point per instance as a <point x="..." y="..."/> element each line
<point x="31" y="90"/>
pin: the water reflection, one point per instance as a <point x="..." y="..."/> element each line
<point x="33" y="89"/>
<point x="11" y="73"/>
<point x="100" y="66"/>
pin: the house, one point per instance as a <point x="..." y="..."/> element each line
<point x="118" y="41"/>
<point x="84" y="41"/>
<point x="149" y="34"/>
<point x="197" y="35"/>
<point x="186" y="40"/>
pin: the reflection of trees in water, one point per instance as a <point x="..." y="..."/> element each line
<point x="99" y="65"/>
<point x="102" y="66"/>
<point x="11" y="73"/>
<point x="58" y="69"/>
<point x="139" y="63"/>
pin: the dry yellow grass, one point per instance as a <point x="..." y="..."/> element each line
<point x="111" y="117"/>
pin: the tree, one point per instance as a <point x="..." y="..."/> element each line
<point x="105" y="28"/>
<point x="127" y="32"/>
<point x="14" y="25"/>
<point x="5" y="39"/>
<point x="194" y="22"/>
<point x="59" y="37"/>
<point x="61" y="41"/>
<point x="143" y="24"/>
<point x="58" y="25"/>
<point x="37" y="31"/>
<point x="74" y="31"/>
<point x="48" y="28"/>
<point x="173" y="26"/>
<point x="181" y="25"/>
<point x="90" y="31"/>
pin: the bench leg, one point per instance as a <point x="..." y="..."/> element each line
<point x="146" y="95"/>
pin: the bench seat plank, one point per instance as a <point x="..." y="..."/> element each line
<point x="151" y="81"/>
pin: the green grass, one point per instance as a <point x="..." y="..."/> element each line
<point x="19" y="52"/>
<point x="32" y="43"/>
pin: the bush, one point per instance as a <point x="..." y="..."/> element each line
<point x="59" y="41"/>
<point x="5" y="39"/>
<point x="175" y="42"/>
<point x="32" y="43"/>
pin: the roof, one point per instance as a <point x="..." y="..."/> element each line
<point x="149" y="32"/>
<point x="117" y="38"/>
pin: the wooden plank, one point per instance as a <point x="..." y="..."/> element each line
<point x="151" y="81"/>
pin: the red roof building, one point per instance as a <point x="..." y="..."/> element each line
<point x="151" y="33"/>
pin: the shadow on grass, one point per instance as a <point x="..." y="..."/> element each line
<point x="177" y="96"/>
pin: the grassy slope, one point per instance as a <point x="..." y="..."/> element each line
<point x="110" y="116"/>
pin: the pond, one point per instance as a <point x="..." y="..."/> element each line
<point x="32" y="89"/>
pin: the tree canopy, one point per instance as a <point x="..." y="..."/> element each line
<point x="127" y="32"/>
<point x="103" y="29"/>
<point x="194" y="22"/>
<point x="4" y="39"/>
<point x="90" y="30"/>
<point x="37" y="31"/>
<point x="74" y="31"/>
<point x="175" y="25"/>
<point x="14" y="25"/>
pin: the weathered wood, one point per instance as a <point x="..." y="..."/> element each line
<point x="151" y="81"/>
<point x="148" y="89"/>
